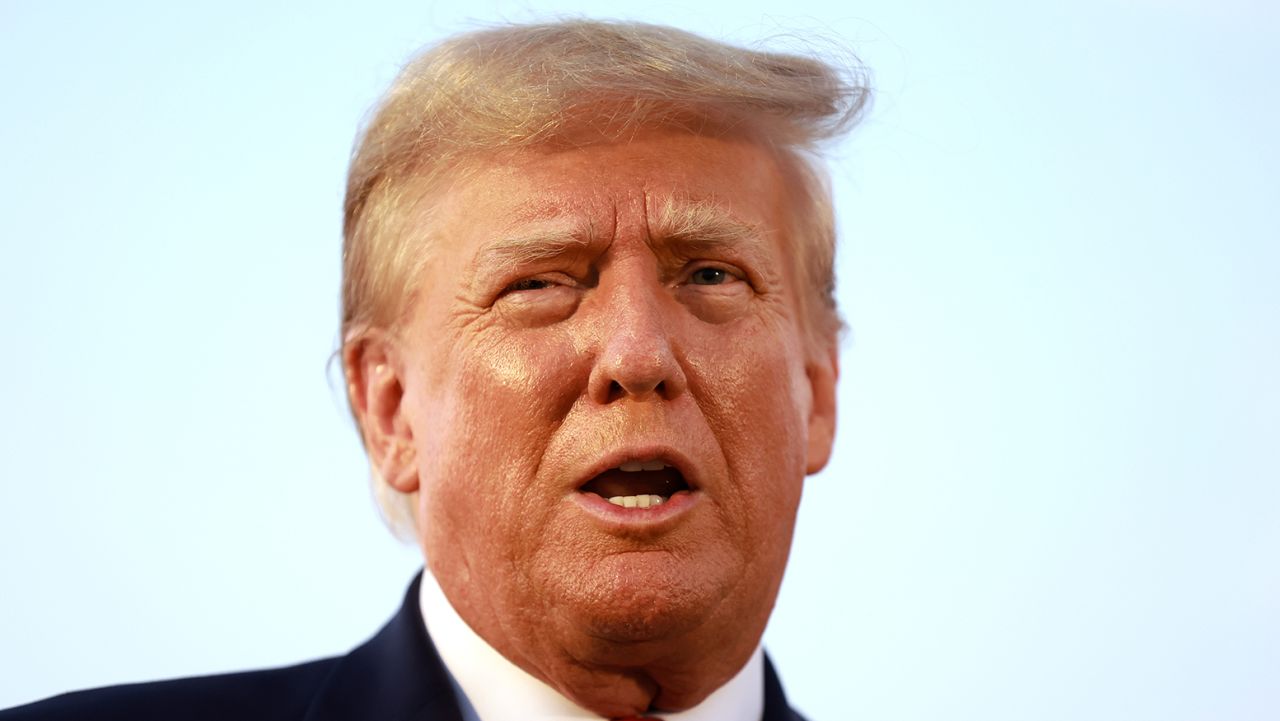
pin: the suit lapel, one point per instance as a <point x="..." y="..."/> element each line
<point x="775" y="701"/>
<point x="396" y="676"/>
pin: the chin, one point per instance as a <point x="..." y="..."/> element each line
<point x="648" y="598"/>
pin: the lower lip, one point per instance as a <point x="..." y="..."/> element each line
<point x="653" y="518"/>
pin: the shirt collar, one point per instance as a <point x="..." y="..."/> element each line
<point x="491" y="688"/>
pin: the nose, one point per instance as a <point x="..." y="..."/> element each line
<point x="637" y="357"/>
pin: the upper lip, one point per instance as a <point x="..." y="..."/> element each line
<point x="668" y="455"/>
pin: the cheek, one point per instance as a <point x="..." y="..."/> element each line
<point x="501" y="402"/>
<point x="755" y="398"/>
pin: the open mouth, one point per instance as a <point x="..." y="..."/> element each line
<point x="638" y="484"/>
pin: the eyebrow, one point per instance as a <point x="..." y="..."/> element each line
<point x="536" y="245"/>
<point x="702" y="227"/>
<point x="679" y="228"/>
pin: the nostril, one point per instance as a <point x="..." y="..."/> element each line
<point x="617" y="390"/>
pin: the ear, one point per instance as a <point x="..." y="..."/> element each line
<point x="375" y="389"/>
<point x="823" y="369"/>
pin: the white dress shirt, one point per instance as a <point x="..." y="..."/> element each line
<point x="491" y="688"/>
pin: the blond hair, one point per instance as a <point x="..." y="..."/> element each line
<point x="524" y="85"/>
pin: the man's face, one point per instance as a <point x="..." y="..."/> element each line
<point x="615" y="321"/>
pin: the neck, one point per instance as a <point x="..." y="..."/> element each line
<point x="579" y="691"/>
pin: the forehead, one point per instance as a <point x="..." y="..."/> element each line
<point x="609" y="183"/>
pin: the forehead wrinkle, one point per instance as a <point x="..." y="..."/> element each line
<point x="610" y="235"/>
<point x="644" y="215"/>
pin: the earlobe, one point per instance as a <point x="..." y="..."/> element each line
<point x="376" y="391"/>
<point x="823" y="370"/>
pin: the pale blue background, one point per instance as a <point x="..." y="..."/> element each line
<point x="1055" y="491"/>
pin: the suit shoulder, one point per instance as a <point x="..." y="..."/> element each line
<point x="279" y="694"/>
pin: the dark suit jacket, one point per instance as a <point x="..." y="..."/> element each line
<point x="396" y="676"/>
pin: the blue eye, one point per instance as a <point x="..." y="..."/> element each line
<point x="708" y="276"/>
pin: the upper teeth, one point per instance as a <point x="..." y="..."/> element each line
<point x="633" y="466"/>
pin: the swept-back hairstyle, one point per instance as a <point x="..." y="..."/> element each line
<point x="546" y="84"/>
